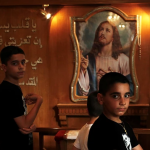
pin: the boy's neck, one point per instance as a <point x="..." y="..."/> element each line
<point x="92" y="120"/>
<point x="11" y="80"/>
<point x="113" y="118"/>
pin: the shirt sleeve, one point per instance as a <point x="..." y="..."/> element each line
<point x="83" y="81"/>
<point x="77" y="143"/>
<point x="15" y="103"/>
<point x="134" y="141"/>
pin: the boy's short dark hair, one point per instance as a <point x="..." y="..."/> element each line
<point x="109" y="79"/>
<point x="94" y="108"/>
<point x="8" y="51"/>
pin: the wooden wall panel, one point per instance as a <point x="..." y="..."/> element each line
<point x="56" y="73"/>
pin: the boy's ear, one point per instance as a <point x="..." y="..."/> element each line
<point x="100" y="98"/>
<point x="3" y="66"/>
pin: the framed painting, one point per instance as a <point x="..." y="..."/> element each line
<point x="105" y="40"/>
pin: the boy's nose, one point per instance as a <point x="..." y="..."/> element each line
<point x="21" y="66"/>
<point x="122" y="101"/>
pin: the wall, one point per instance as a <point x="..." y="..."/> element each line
<point x="56" y="72"/>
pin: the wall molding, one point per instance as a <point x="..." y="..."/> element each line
<point x="66" y="110"/>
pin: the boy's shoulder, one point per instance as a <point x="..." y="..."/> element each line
<point x="7" y="87"/>
<point x="101" y="120"/>
<point x="100" y="124"/>
<point x="86" y="127"/>
<point x="6" y="84"/>
<point x="103" y="124"/>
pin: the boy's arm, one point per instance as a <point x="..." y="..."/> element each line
<point x="138" y="147"/>
<point x="25" y="121"/>
<point x="28" y="130"/>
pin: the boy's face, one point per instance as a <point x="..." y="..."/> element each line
<point x="116" y="101"/>
<point x="15" y="67"/>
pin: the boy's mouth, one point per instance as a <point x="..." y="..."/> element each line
<point x="121" y="109"/>
<point x="21" y="73"/>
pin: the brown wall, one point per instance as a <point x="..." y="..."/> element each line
<point x="56" y="73"/>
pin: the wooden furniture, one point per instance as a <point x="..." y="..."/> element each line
<point x="138" y="131"/>
<point x="50" y="132"/>
<point x="68" y="140"/>
<point x="45" y="131"/>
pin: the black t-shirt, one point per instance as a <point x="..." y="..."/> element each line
<point x="11" y="106"/>
<point x="106" y="134"/>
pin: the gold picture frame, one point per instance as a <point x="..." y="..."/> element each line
<point x="83" y="32"/>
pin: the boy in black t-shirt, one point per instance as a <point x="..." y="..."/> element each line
<point x="109" y="132"/>
<point x="15" y="123"/>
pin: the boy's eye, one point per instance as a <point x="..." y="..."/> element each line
<point x="14" y="63"/>
<point x="115" y="96"/>
<point x="23" y="62"/>
<point x="127" y="95"/>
